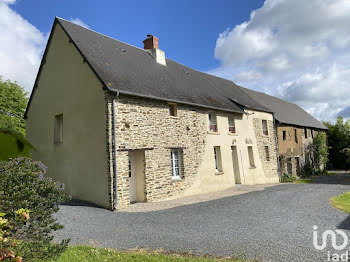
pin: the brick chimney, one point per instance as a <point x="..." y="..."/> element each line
<point x="151" y="45"/>
<point x="151" y="42"/>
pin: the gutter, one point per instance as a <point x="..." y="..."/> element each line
<point x="115" y="192"/>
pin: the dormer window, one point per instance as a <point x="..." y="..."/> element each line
<point x="212" y="123"/>
<point x="231" y="125"/>
<point x="264" y="127"/>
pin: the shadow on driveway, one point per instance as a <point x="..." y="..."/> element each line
<point x="340" y="178"/>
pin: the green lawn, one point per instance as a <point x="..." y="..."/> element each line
<point x="330" y="173"/>
<point x="304" y="181"/>
<point x="91" y="254"/>
<point x="342" y="202"/>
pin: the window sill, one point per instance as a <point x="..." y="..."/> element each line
<point x="213" y="133"/>
<point x="174" y="117"/>
<point x="232" y="134"/>
<point x="252" y="167"/>
<point x="219" y="173"/>
<point x="176" y="178"/>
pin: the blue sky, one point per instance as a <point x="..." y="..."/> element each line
<point x="187" y="29"/>
<point x="296" y="50"/>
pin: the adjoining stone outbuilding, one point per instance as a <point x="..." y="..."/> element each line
<point x="295" y="132"/>
<point x="119" y="124"/>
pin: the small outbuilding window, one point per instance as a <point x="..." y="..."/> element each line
<point x="264" y="127"/>
<point x="58" y="129"/>
<point x="267" y="153"/>
<point x="172" y="109"/>
<point x="296" y="135"/>
<point x="305" y="132"/>
<point x="284" y="135"/>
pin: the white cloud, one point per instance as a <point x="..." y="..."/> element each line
<point x="21" y="47"/>
<point x="79" y="22"/>
<point x="296" y="49"/>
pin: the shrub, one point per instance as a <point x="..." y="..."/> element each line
<point x="307" y="170"/>
<point x="24" y="187"/>
<point x="288" y="178"/>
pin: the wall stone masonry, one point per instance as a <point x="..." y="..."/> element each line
<point x="269" y="166"/>
<point x="145" y="124"/>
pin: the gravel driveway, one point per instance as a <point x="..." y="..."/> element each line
<point x="274" y="224"/>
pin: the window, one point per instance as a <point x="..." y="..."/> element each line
<point x="305" y="132"/>
<point x="312" y="133"/>
<point x="251" y="156"/>
<point x="176" y="163"/>
<point x="172" y="109"/>
<point x="231" y="125"/>
<point x="284" y="135"/>
<point x="289" y="166"/>
<point x="212" y="123"/>
<point x="58" y="129"/>
<point x="217" y="156"/>
<point x="264" y="127"/>
<point x="267" y="153"/>
<point x="129" y="167"/>
<point x="296" y="135"/>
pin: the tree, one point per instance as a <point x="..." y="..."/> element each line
<point x="13" y="103"/>
<point x="320" y="151"/>
<point x="338" y="140"/>
<point x="13" y="145"/>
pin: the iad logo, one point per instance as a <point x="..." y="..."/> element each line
<point x="332" y="236"/>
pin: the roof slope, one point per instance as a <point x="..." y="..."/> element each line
<point x="131" y="70"/>
<point x="285" y="112"/>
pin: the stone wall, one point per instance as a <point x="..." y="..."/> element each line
<point x="145" y="124"/>
<point x="289" y="148"/>
<point x="269" y="166"/>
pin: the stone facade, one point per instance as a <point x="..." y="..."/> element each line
<point x="145" y="124"/>
<point x="268" y="159"/>
<point x="294" y="147"/>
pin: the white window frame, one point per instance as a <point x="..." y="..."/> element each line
<point x="213" y="121"/>
<point x="232" y="123"/>
<point x="174" y="167"/>
<point x="217" y="158"/>
<point x="267" y="127"/>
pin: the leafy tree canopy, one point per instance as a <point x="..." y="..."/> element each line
<point x="339" y="142"/>
<point x="13" y="103"/>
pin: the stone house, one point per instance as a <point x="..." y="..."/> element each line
<point x="295" y="131"/>
<point x="119" y="124"/>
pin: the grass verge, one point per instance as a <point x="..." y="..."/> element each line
<point x="93" y="254"/>
<point x="341" y="202"/>
<point x="304" y="181"/>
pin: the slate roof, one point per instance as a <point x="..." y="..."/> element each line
<point x="131" y="70"/>
<point x="284" y="111"/>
